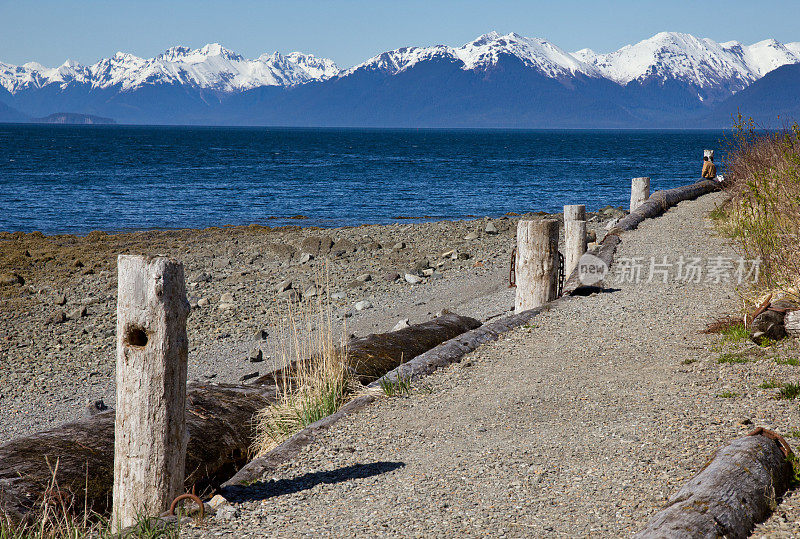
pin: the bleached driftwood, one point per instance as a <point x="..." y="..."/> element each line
<point x="536" y="263"/>
<point x="640" y="191"/>
<point x="152" y="350"/>
<point x="738" y="489"/>
<point x="574" y="244"/>
<point x="574" y="212"/>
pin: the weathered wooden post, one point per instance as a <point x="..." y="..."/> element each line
<point x="574" y="212"/>
<point x="640" y="191"/>
<point x="574" y="245"/>
<point x="150" y="434"/>
<point x="536" y="263"/>
<point x="574" y="236"/>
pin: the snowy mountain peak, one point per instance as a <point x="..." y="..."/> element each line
<point x="483" y="52"/>
<point x="210" y="67"/>
<point x="716" y="69"/>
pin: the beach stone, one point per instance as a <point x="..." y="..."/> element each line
<point x="200" y="277"/>
<point x="225" y="306"/>
<point x="57" y="317"/>
<point x="306" y="258"/>
<point x="281" y="251"/>
<point x="364" y="277"/>
<point x="427" y="272"/>
<point x="202" y="302"/>
<point x="399" y="245"/>
<point x="217" y="502"/>
<point x="472" y="236"/>
<point x="227" y="297"/>
<point x="464" y="256"/>
<point x="612" y="223"/>
<point x="316" y="245"/>
<point x="343" y="247"/>
<point x="373" y="246"/>
<point x="227" y="512"/>
<point x="80" y="312"/>
<point x="491" y="228"/>
<point x="448" y="254"/>
<point x="262" y="334"/>
<point x="256" y="355"/>
<point x="61" y="299"/>
<point x="391" y="276"/>
<point x="220" y="263"/>
<point x="401" y="325"/>
<point x="284" y="286"/>
<point x="412" y="279"/>
<point x="421" y="265"/>
<point x="10" y="279"/>
<point x="338" y="295"/>
<point x="291" y="295"/>
<point x="311" y="292"/>
<point x="363" y="305"/>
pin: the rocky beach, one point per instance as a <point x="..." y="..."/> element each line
<point x="58" y="297"/>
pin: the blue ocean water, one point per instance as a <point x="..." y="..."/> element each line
<point x="74" y="179"/>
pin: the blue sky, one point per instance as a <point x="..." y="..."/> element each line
<point x="350" y="31"/>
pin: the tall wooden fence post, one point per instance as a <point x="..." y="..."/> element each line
<point x="574" y="212"/>
<point x="536" y="264"/>
<point x="640" y="191"/>
<point x="574" y="236"/>
<point x="150" y="434"/>
<point x="574" y="245"/>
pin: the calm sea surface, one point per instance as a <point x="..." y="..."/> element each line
<point x="74" y="179"/>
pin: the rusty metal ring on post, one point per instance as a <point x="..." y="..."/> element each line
<point x="512" y="273"/>
<point x="772" y="435"/>
<point x="188" y="496"/>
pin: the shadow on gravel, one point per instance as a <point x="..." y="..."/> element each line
<point x="270" y="489"/>
<point x="589" y="290"/>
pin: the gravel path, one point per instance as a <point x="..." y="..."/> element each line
<point x="581" y="424"/>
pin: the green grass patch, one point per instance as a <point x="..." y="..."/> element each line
<point x="787" y="361"/>
<point x="794" y="433"/>
<point x="400" y="387"/>
<point x="688" y="361"/>
<point x="789" y="391"/>
<point x="735" y="333"/>
<point x="728" y="395"/>
<point x="732" y="358"/>
<point x="769" y="384"/>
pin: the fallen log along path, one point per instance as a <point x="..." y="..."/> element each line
<point x="739" y="488"/>
<point x="654" y="206"/>
<point x="219" y="420"/>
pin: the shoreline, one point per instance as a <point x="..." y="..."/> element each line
<point x="58" y="332"/>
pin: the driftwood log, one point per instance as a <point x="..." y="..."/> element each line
<point x="792" y="323"/>
<point x="655" y="206"/>
<point x="218" y="418"/>
<point x="738" y="489"/>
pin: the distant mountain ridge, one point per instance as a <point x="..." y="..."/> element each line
<point x="494" y="81"/>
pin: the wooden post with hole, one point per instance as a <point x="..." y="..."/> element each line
<point x="640" y="191"/>
<point x="574" y="212"/>
<point x="150" y="434"/>
<point x="536" y="263"/>
<point x="574" y="245"/>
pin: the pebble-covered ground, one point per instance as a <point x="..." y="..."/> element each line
<point x="580" y="424"/>
<point x="58" y="327"/>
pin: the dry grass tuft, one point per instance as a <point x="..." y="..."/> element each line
<point x="763" y="214"/>
<point x="723" y="325"/>
<point x="315" y="380"/>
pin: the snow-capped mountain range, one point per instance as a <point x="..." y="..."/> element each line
<point x="211" y="67"/>
<point x="658" y="78"/>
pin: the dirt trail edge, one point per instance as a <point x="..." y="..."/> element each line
<point x="582" y="422"/>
